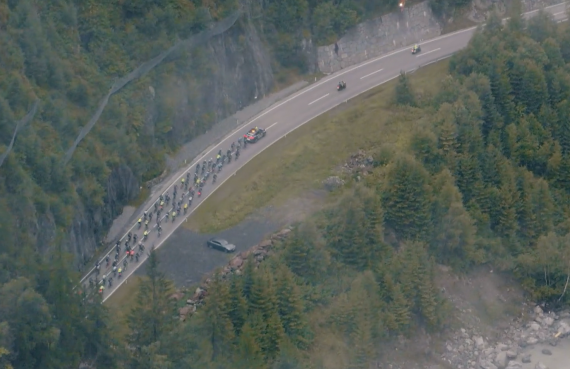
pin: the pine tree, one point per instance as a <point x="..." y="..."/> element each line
<point x="408" y="200"/>
<point x="238" y="304"/>
<point x="374" y="227"/>
<point x="400" y="308"/>
<point x="428" y="304"/>
<point x="154" y="311"/>
<point x="404" y="94"/>
<point x="274" y="334"/>
<point x="467" y="174"/>
<point x="263" y="299"/>
<point x="525" y="214"/>
<point x="506" y="222"/>
<point x="290" y="305"/>
<point x="448" y="135"/>
<point x="218" y="320"/>
<point x="362" y="345"/>
<point x="248" y="276"/>
<point x="543" y="208"/>
<point x="408" y="274"/>
<point x="534" y="89"/>
<point x="304" y="253"/>
<point x="249" y="352"/>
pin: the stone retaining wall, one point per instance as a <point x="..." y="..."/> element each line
<point x="399" y="29"/>
<point x="379" y="36"/>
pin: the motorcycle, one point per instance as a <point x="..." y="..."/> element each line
<point x="341" y="86"/>
<point x="416" y="49"/>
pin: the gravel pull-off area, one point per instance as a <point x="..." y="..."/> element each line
<point x="541" y="342"/>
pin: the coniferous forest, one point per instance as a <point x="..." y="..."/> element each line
<point x="485" y="179"/>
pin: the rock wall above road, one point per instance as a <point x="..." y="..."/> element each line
<point x="399" y="29"/>
<point x="379" y="36"/>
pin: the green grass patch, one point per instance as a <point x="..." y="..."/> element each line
<point x="300" y="161"/>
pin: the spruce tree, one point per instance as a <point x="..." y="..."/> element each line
<point x="404" y="94"/>
<point x="238" y="304"/>
<point x="248" y="276"/>
<point x="543" y="208"/>
<point x="304" y="253"/>
<point x="408" y="200"/>
<point x="428" y="303"/>
<point x="263" y="298"/>
<point x="374" y="227"/>
<point x="218" y="321"/>
<point x="362" y="348"/>
<point x="249" y="352"/>
<point x="290" y="305"/>
<point x="153" y="313"/>
<point x="400" y="308"/>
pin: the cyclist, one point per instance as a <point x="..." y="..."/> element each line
<point x="140" y="222"/>
<point x="185" y="208"/>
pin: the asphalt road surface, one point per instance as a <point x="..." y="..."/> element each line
<point x="285" y="116"/>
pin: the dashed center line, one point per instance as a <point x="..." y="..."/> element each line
<point x="368" y="75"/>
<point x="320" y="98"/>
<point x="271" y="126"/>
<point x="427" y="52"/>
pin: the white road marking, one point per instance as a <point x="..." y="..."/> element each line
<point x="559" y="13"/>
<point x="320" y="98"/>
<point x="368" y="75"/>
<point x="271" y="126"/>
<point x="428" y="52"/>
<point x="325" y="80"/>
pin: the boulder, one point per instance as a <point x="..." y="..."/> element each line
<point x="176" y="296"/>
<point x="199" y="294"/>
<point x="282" y="234"/>
<point x="531" y="341"/>
<point x="538" y="310"/>
<point x="525" y="358"/>
<point x="546" y="352"/>
<point x="548" y="321"/>
<point x="534" y="326"/>
<point x="265" y="244"/>
<point x="190" y="302"/>
<point x="511" y="355"/>
<point x="479" y="341"/>
<point x="485" y="364"/>
<point x="236" y="262"/>
<point x="502" y="347"/>
<point x="563" y="328"/>
<point x="184" y="310"/>
<point x="258" y="251"/>
<point x="514" y="365"/>
<point x="501" y="360"/>
<point x="333" y="182"/>
<point x="540" y="365"/>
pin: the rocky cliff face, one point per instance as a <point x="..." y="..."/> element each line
<point x="232" y="71"/>
<point x="202" y="87"/>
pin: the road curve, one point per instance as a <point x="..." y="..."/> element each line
<point x="288" y="115"/>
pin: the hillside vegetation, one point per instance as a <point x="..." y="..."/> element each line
<point x="483" y="177"/>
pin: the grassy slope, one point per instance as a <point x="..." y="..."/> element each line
<point x="304" y="158"/>
<point x="298" y="163"/>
